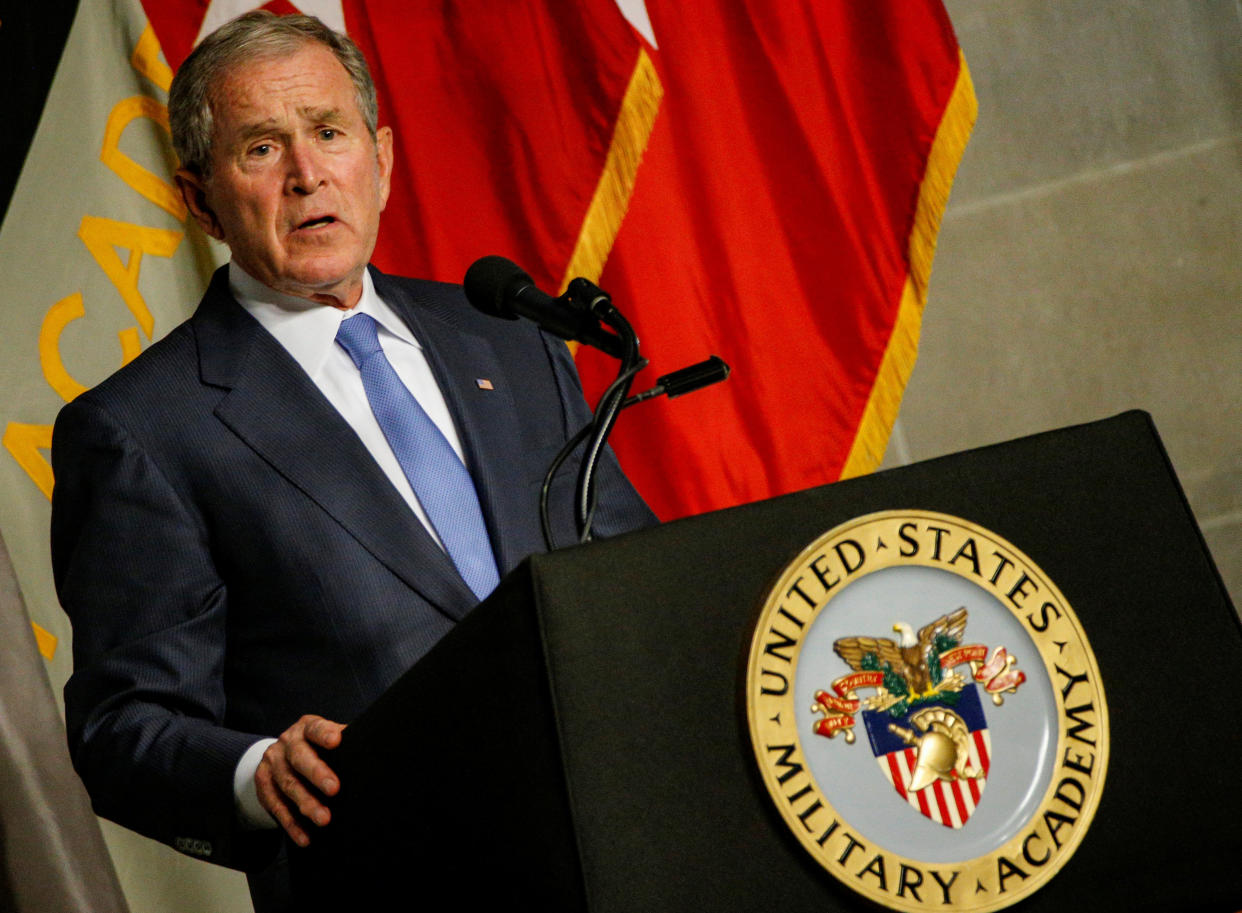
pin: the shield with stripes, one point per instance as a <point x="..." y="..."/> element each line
<point x="936" y="754"/>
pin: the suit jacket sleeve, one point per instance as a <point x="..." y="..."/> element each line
<point x="145" y="704"/>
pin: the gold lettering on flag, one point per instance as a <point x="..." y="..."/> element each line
<point x="45" y="640"/>
<point x="146" y="60"/>
<point x="24" y="442"/>
<point x="154" y="188"/>
<point x="102" y="237"/>
<point x="59" y="316"/>
<point x="103" y="133"/>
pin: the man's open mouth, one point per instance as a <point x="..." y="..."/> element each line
<point x="316" y="222"/>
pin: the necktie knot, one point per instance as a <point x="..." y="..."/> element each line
<point x="359" y="336"/>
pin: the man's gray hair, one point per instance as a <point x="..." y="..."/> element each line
<point x="254" y="36"/>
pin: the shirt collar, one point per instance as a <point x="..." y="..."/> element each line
<point x="307" y="329"/>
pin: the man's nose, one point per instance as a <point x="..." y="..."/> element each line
<point x="305" y="171"/>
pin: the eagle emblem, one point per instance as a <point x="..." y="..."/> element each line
<point x="925" y="721"/>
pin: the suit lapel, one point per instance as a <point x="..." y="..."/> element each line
<point x="275" y="408"/>
<point x="485" y="418"/>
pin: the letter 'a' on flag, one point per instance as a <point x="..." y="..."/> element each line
<point x="765" y="182"/>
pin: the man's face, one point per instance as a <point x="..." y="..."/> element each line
<point x="297" y="184"/>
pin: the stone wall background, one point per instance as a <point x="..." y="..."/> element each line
<point x="1090" y="259"/>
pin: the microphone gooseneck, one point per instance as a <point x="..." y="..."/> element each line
<point x="500" y="288"/>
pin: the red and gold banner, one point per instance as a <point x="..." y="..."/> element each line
<point x="785" y="217"/>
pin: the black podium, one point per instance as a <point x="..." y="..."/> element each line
<point x="579" y="741"/>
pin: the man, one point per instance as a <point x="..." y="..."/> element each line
<point x="247" y="552"/>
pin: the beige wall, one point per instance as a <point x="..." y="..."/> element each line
<point x="1090" y="260"/>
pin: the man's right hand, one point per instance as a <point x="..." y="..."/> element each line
<point x="292" y="775"/>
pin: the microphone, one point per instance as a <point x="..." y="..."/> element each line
<point x="501" y="288"/>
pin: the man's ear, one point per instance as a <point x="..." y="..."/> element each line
<point x="194" y="191"/>
<point x="383" y="158"/>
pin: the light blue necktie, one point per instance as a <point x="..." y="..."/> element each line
<point x="440" y="481"/>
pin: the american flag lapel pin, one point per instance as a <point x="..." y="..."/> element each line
<point x="484" y="383"/>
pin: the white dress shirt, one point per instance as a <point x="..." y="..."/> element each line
<point x="307" y="330"/>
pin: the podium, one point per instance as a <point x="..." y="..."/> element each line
<point x="579" y="742"/>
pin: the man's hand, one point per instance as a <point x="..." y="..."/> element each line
<point x="292" y="775"/>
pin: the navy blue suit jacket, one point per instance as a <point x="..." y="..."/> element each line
<point x="232" y="557"/>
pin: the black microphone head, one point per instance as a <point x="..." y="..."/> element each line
<point x="491" y="281"/>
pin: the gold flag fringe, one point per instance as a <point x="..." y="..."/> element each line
<point x="890" y="383"/>
<point x="635" y="121"/>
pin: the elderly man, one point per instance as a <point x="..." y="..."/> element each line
<point x="261" y="522"/>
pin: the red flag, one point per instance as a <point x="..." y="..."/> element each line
<point x="766" y="184"/>
<point x="785" y="217"/>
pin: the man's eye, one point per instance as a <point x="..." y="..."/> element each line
<point x="261" y="149"/>
<point x="327" y="133"/>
